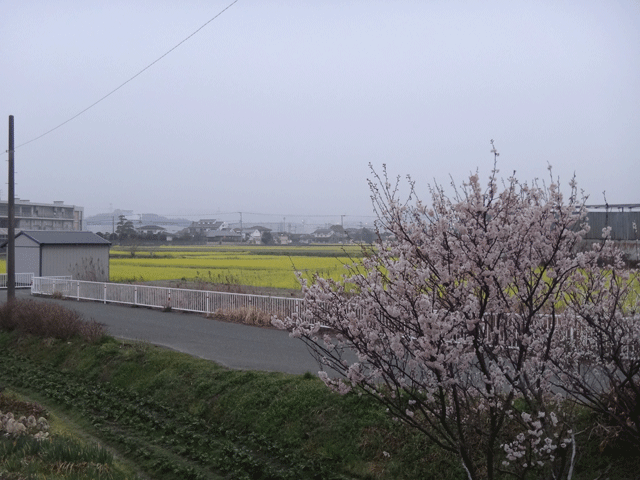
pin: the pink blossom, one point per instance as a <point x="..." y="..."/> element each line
<point x="480" y="301"/>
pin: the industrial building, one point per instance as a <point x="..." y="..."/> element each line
<point x="624" y="222"/>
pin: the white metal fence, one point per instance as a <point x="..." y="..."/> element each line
<point x="199" y="301"/>
<point x="208" y="302"/>
<point x="22" y="280"/>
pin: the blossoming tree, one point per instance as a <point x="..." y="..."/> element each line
<point x="457" y="324"/>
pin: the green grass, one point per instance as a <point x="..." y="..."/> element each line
<point x="180" y="417"/>
<point x="192" y="417"/>
<point x="59" y="457"/>
<point x="64" y="452"/>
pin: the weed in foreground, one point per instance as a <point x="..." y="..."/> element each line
<point x="29" y="451"/>
<point x="47" y="319"/>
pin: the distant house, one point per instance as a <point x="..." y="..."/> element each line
<point x="83" y="255"/>
<point x="151" y="229"/>
<point x="254" y="234"/>
<point x="322" y="234"/>
<point x="226" y="236"/>
<point x="300" y="238"/>
<point x="333" y="234"/>
<point x="205" y="225"/>
<point x="282" y="238"/>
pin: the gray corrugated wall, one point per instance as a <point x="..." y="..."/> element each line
<point x="28" y="259"/>
<point x="82" y="262"/>
<point x="27" y="255"/>
<point x="621" y="224"/>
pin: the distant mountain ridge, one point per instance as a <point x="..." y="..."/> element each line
<point x="142" y="219"/>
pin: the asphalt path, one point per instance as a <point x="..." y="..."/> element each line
<point x="231" y="345"/>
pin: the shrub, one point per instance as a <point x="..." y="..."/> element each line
<point x="246" y="316"/>
<point x="45" y="319"/>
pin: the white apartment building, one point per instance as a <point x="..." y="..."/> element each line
<point x="42" y="216"/>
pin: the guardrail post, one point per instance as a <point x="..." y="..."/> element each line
<point x="135" y="295"/>
<point x="78" y="291"/>
<point x="105" y="293"/>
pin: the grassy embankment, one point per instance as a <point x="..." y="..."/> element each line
<point x="178" y="417"/>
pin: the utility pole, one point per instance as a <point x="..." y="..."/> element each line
<point x="11" y="244"/>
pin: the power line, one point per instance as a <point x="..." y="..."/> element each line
<point x="130" y="79"/>
<point x="287" y="215"/>
<point x="226" y="214"/>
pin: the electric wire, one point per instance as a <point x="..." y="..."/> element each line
<point x="140" y="73"/>
<point x="130" y="79"/>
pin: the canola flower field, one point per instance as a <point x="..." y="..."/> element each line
<point x="259" y="266"/>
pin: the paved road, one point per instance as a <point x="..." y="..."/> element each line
<point x="232" y="345"/>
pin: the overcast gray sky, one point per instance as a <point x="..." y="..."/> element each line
<point x="279" y="106"/>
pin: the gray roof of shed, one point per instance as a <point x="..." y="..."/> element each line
<point x="46" y="237"/>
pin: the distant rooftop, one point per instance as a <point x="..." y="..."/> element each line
<point x="55" y="203"/>
<point x="614" y="206"/>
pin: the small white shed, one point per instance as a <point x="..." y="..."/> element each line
<point x="83" y="255"/>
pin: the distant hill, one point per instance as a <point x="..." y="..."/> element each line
<point x="152" y="218"/>
<point x="143" y="218"/>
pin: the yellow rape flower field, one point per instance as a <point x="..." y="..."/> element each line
<point x="258" y="266"/>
